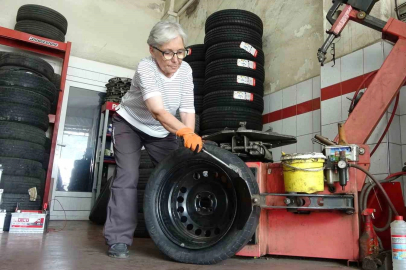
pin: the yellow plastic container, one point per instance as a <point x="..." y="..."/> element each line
<point x="303" y="172"/>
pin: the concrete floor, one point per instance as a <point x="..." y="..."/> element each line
<point x="81" y="246"/>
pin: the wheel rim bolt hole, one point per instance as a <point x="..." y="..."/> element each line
<point x="189" y="227"/>
<point x="180" y="199"/>
<point x="181" y="209"/>
<point x="196" y="176"/>
<point x="198" y="232"/>
<point x="183" y="219"/>
<point x="183" y="189"/>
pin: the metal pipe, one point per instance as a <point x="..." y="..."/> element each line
<point x="183" y="9"/>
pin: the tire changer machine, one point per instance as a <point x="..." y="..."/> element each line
<point x="325" y="224"/>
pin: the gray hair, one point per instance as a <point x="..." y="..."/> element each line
<point x="165" y="31"/>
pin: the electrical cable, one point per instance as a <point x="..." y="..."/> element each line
<point x="66" y="220"/>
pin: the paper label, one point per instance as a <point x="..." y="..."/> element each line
<point x="249" y="48"/>
<point x="245" y="80"/>
<point x="246" y="63"/>
<point x="243" y="95"/>
<point x="399" y="247"/>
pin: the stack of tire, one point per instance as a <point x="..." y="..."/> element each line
<point x="117" y="88"/>
<point x="26" y="94"/>
<point x="196" y="60"/>
<point x="233" y="89"/>
<point x="41" y="21"/>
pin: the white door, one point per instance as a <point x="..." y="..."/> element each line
<point x="75" y="152"/>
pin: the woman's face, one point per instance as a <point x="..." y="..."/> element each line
<point x="168" y="67"/>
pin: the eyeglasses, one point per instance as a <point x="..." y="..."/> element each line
<point x="168" y="55"/>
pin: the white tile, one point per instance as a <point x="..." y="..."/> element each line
<point x="373" y="57"/>
<point x="331" y="74"/>
<point x="304" y="124"/>
<point x="345" y="105"/>
<point x="266" y="127"/>
<point x="330" y="131"/>
<point x="277" y="126"/>
<point x="267" y="104"/>
<point x="403" y="154"/>
<point x="316" y="121"/>
<point x="289" y="96"/>
<point x="379" y="161"/>
<point x="289" y="149"/>
<point x="392" y="105"/>
<point x="378" y="131"/>
<point x="387" y="48"/>
<point x="352" y="65"/>
<point x="316" y="146"/>
<point x="304" y="91"/>
<point x="331" y="111"/>
<point x="305" y="144"/>
<point x="316" y="87"/>
<point x="395" y="158"/>
<point x="394" y="131"/>
<point x="275" y="101"/>
<point x="289" y="126"/>
<point x="276" y="153"/>
<point x="403" y="128"/>
<point x="402" y="100"/>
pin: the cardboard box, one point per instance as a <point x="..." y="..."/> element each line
<point x="28" y="222"/>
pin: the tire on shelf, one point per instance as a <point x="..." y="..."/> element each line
<point x="235" y="66"/>
<point x="198" y="104"/>
<point x="20" y="95"/>
<point x="22" y="167"/>
<point x="56" y="80"/>
<point x="17" y="131"/>
<point x="141" y="230"/>
<point x="227" y="82"/>
<point x="198" y="86"/>
<point x="196" y="53"/>
<point x="10" y="201"/>
<point x="21" y="149"/>
<point x="233" y="98"/>
<point x="21" y="184"/>
<point x="169" y="235"/>
<point x="197" y="124"/>
<point x="43" y="14"/>
<point x="21" y="114"/>
<point x="198" y="69"/>
<point x="98" y="214"/>
<point x="27" y="61"/>
<point x="40" y="29"/>
<point x="234" y="17"/>
<point x="45" y="163"/>
<point x="232" y="33"/>
<point x="144" y="175"/>
<point x="234" y="49"/>
<point x="145" y="160"/>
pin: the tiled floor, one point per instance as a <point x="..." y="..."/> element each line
<point x="81" y="246"/>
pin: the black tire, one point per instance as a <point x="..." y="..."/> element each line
<point x="206" y="132"/>
<point x="27" y="61"/>
<point x="21" y="114"/>
<point x="197" y="124"/>
<point x="21" y="149"/>
<point x="233" y="66"/>
<point x="30" y="82"/>
<point x="57" y="81"/>
<point x="233" y="50"/>
<point x="229" y="82"/>
<point x="143" y="178"/>
<point x="231" y="117"/>
<point x="198" y="86"/>
<point x="145" y="160"/>
<point x="43" y="14"/>
<point x="196" y="53"/>
<point x="234" y="17"/>
<point x="20" y="95"/>
<point x="11" y="200"/>
<point x="232" y="33"/>
<point x="233" y="239"/>
<point x="141" y="230"/>
<point x="54" y="105"/>
<point x="98" y="214"/>
<point x="48" y="145"/>
<point x="226" y="98"/>
<point x="21" y="69"/>
<point x="40" y="29"/>
<point x="198" y="69"/>
<point x="198" y="104"/>
<point x="22" y="167"/>
<point x="45" y="163"/>
<point x="16" y="131"/>
<point x="20" y="184"/>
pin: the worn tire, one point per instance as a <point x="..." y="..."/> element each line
<point x="40" y="29"/>
<point x="21" y="149"/>
<point x="56" y="80"/>
<point x="229" y="82"/>
<point x="232" y="33"/>
<point x="22" y="167"/>
<point x="233" y="241"/>
<point x="226" y="98"/>
<point x="16" y="131"/>
<point x="21" y="184"/>
<point x="230" y="66"/>
<point x="143" y="178"/>
<point x="233" y="50"/>
<point x="20" y="95"/>
<point x="45" y="163"/>
<point x="30" y="82"/>
<point x="198" y="86"/>
<point x="196" y="53"/>
<point x="198" y="69"/>
<point x="27" y="61"/>
<point x="145" y="160"/>
<point x="43" y="14"/>
<point x="10" y="201"/>
<point x="48" y="145"/>
<point x="198" y="104"/>
<point x="234" y="17"/>
<point x="230" y="117"/>
<point x="22" y="114"/>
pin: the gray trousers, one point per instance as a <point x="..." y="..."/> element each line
<point x="122" y="208"/>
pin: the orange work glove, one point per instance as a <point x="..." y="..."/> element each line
<point x="192" y="141"/>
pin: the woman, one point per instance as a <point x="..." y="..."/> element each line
<point x="162" y="84"/>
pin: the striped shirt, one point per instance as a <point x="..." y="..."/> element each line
<point x="149" y="81"/>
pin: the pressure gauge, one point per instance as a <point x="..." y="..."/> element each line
<point x="342" y="164"/>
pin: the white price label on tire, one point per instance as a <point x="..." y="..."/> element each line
<point x="246" y="63"/>
<point x="245" y="80"/>
<point x="243" y="95"/>
<point x="249" y="48"/>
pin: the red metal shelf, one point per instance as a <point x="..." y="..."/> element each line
<point x="109" y="161"/>
<point x="111" y="106"/>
